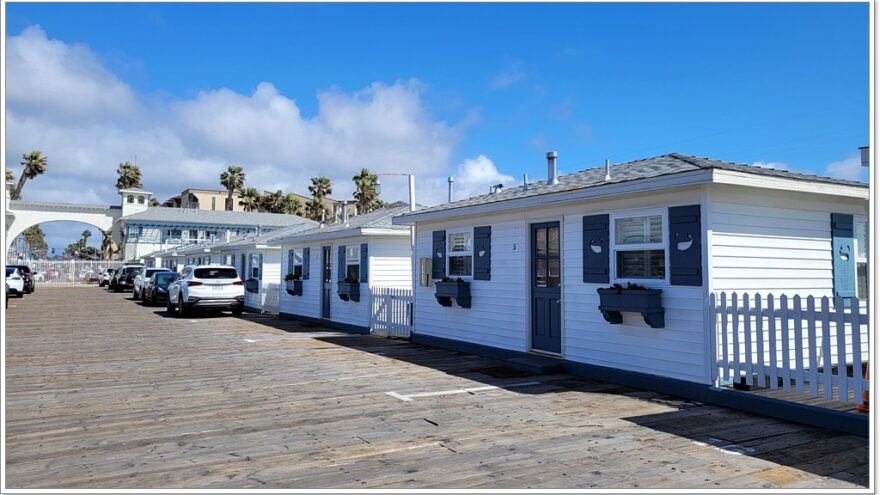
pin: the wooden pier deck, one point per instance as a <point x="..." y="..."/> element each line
<point x="102" y="392"/>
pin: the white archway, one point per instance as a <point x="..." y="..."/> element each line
<point x="22" y="215"/>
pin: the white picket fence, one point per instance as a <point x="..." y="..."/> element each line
<point x="391" y="312"/>
<point x="68" y="271"/>
<point x="806" y="343"/>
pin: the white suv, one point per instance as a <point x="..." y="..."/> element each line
<point x="206" y="286"/>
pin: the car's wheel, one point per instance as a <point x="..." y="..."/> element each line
<point x="181" y="307"/>
<point x="168" y="307"/>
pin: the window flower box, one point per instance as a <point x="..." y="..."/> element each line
<point x="633" y="298"/>
<point x="349" y="290"/>
<point x="459" y="290"/>
<point x="294" y="287"/>
<point x="252" y="285"/>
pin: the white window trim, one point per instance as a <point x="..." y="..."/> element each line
<point x="349" y="263"/>
<point x="664" y="244"/>
<point x="450" y="254"/>
<point x="301" y="264"/>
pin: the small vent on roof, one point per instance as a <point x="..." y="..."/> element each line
<point x="496" y="188"/>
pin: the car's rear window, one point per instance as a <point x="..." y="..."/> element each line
<point x="23" y="269"/>
<point x="165" y="278"/>
<point x="9" y="270"/>
<point x="133" y="268"/>
<point x="216" y="273"/>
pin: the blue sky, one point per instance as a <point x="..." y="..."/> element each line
<point x="476" y="91"/>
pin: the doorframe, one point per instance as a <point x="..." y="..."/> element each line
<point x="325" y="301"/>
<point x="529" y="261"/>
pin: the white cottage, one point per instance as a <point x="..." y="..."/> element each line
<point x="516" y="273"/>
<point x="333" y="270"/>
<point x="259" y="265"/>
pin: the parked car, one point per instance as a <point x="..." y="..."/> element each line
<point x="206" y="286"/>
<point x="106" y="276"/>
<point x="124" y="277"/>
<point x="28" y="276"/>
<point x="14" y="282"/>
<point x="156" y="289"/>
<point x="141" y="278"/>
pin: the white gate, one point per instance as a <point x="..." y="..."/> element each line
<point x="68" y="271"/>
<point x="782" y="342"/>
<point x="392" y="311"/>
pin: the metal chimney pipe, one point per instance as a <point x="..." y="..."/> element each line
<point x="552" y="179"/>
<point x="345" y="212"/>
<point x="607" y="169"/>
<point x="865" y="152"/>
<point x="525" y="182"/>
<point x="451" y="180"/>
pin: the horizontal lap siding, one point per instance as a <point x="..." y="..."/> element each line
<point x="390" y="262"/>
<point x="348" y="312"/>
<point x="676" y="351"/>
<point x="271" y="283"/>
<point x="773" y="241"/>
<point x="309" y="304"/>
<point x="498" y="313"/>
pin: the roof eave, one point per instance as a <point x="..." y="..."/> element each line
<point x="636" y="185"/>
<point x="721" y="176"/>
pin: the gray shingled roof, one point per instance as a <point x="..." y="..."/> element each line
<point x="265" y="238"/>
<point x="673" y="163"/>
<point x="214" y="217"/>
<point x="379" y="219"/>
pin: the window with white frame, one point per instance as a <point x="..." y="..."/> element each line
<point x="638" y="246"/>
<point x="353" y="262"/>
<point x="459" y="251"/>
<point x="255" y="266"/>
<point x="296" y="267"/>
<point x="860" y="239"/>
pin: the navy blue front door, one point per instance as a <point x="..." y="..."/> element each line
<point x="546" y="282"/>
<point x="326" y="282"/>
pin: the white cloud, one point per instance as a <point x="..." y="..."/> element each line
<point x="473" y="177"/>
<point x="507" y="79"/>
<point x="63" y="101"/>
<point x="850" y="168"/>
<point x="773" y="165"/>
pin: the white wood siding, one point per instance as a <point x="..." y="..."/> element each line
<point x="267" y="299"/>
<point x="390" y="262"/>
<point x="309" y="304"/>
<point x="773" y="241"/>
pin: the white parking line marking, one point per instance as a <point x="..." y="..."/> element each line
<point x="250" y="340"/>
<point x="410" y="397"/>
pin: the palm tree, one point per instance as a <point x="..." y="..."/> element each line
<point x="321" y="187"/>
<point x="315" y="210"/>
<point x="85" y="237"/>
<point x="232" y="179"/>
<point x="155" y="202"/>
<point x="108" y="247"/>
<point x="35" y="239"/>
<point x="249" y="199"/>
<point x="34" y="163"/>
<point x="10" y="176"/>
<point x="274" y="202"/>
<point x="366" y="192"/>
<point x="292" y="205"/>
<point x="128" y="176"/>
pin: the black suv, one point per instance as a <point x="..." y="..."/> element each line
<point x="29" y="283"/>
<point x="124" y="277"/>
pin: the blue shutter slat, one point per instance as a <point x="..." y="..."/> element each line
<point x="341" y="264"/>
<point x="365" y="263"/>
<point x="685" y="246"/>
<point x="842" y="255"/>
<point x="483" y="253"/>
<point x="595" y="249"/>
<point x="290" y="261"/>
<point x="438" y="254"/>
<point x="307" y="253"/>
<point x="261" y="267"/>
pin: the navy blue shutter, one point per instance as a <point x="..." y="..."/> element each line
<point x="482" y="253"/>
<point x="307" y="253"/>
<point x="438" y="255"/>
<point x="260" y="273"/>
<point x="842" y="255"/>
<point x="685" y="246"/>
<point x="341" y="264"/>
<point x="595" y="247"/>
<point x="365" y="263"/>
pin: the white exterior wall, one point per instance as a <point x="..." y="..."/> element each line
<point x="501" y="307"/>
<point x="389" y="266"/>
<point x="773" y="241"/>
<point x="267" y="299"/>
